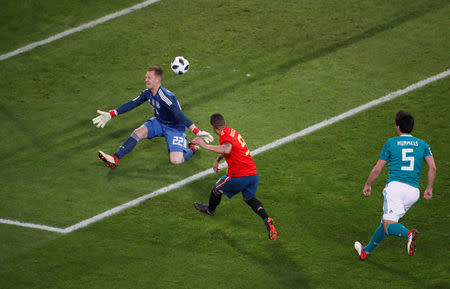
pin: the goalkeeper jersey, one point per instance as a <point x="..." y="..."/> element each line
<point x="165" y="106"/>
<point x="240" y="162"/>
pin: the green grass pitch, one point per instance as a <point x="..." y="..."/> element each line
<point x="271" y="68"/>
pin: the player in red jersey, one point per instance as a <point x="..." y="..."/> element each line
<point x="241" y="175"/>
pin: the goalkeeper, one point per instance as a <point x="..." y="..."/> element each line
<point x="169" y="122"/>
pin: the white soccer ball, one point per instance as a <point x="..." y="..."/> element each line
<point x="180" y="65"/>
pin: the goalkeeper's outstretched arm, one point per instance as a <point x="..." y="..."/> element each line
<point x="104" y="116"/>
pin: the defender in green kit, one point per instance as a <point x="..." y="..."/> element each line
<point x="405" y="155"/>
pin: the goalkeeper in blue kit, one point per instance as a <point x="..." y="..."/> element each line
<point x="405" y="155"/>
<point x="169" y="122"/>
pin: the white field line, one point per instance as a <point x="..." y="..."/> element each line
<point x="351" y="112"/>
<point x="259" y="150"/>
<point x="77" y="29"/>
<point x="30" y="225"/>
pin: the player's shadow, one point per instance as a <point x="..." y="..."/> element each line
<point x="226" y="88"/>
<point x="440" y="285"/>
<point x="78" y="136"/>
<point x="396" y="271"/>
<point x="74" y="138"/>
<point x="278" y="265"/>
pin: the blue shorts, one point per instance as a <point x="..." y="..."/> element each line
<point x="175" y="135"/>
<point x="231" y="186"/>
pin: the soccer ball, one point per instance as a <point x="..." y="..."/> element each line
<point x="180" y="65"/>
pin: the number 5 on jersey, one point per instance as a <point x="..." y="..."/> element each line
<point x="409" y="159"/>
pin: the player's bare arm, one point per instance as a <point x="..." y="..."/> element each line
<point x="220" y="149"/>
<point x="216" y="163"/>
<point x="428" y="193"/>
<point x="373" y="176"/>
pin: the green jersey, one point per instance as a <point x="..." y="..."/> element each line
<point x="405" y="154"/>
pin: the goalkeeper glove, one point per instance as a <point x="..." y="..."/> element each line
<point x="103" y="118"/>
<point x="206" y="136"/>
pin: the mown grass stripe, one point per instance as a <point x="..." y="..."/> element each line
<point x="257" y="151"/>
<point x="77" y="29"/>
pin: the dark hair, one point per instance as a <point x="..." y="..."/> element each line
<point x="217" y="121"/>
<point x="156" y="69"/>
<point x="405" y="121"/>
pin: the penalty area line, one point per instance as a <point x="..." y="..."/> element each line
<point x="30" y="225"/>
<point x="257" y="151"/>
<point x="351" y="112"/>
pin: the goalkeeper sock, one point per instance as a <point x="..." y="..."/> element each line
<point x="187" y="154"/>
<point x="128" y="145"/>
<point x="377" y="237"/>
<point x="257" y="207"/>
<point x="397" y="229"/>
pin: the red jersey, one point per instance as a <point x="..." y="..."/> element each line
<point x="240" y="162"/>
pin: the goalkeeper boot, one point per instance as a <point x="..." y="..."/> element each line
<point x="271" y="228"/>
<point x="204" y="209"/>
<point x="110" y="160"/>
<point x="412" y="237"/>
<point x="193" y="147"/>
<point x="362" y="255"/>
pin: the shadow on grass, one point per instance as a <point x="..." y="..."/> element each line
<point x="279" y="265"/>
<point x="73" y="139"/>
<point x="440" y="285"/>
<point x="294" y="61"/>
<point x="382" y="266"/>
<point x="77" y="134"/>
